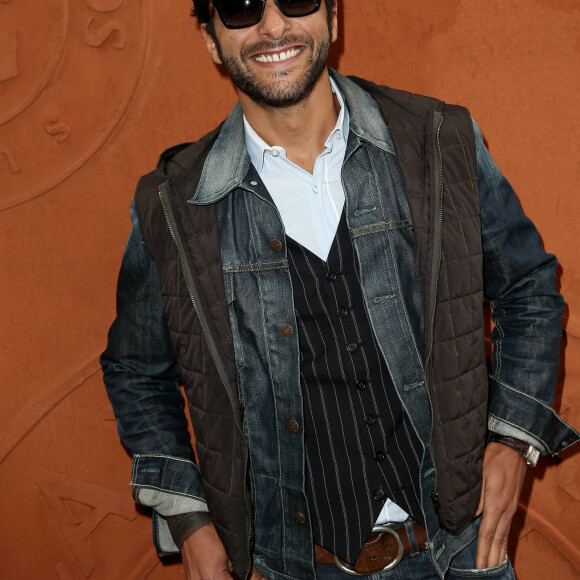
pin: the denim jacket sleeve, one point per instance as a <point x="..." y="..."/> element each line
<point x="520" y="284"/>
<point x="141" y="378"/>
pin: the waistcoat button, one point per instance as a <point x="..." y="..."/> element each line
<point x="276" y="245"/>
<point x="342" y="311"/>
<point x="299" y="518"/>
<point x="286" y="330"/>
<point x="378" y="494"/>
<point x="293" y="426"/>
<point x="380" y="456"/>
<point x="370" y="419"/>
<point x="351" y="346"/>
<point x="331" y="276"/>
<point x="361" y="385"/>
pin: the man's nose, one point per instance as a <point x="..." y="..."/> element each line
<point x="273" y="24"/>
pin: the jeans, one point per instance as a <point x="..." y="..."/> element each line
<point x="417" y="566"/>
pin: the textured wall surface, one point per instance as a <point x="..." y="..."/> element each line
<point x="90" y="92"/>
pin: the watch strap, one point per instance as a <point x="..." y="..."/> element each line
<point x="527" y="451"/>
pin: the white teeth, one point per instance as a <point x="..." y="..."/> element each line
<point x="278" y="56"/>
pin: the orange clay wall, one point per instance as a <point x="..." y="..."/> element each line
<point x="90" y="92"/>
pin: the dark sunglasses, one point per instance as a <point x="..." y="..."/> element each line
<point x="244" y="13"/>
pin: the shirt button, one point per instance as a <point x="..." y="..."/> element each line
<point x="378" y="494"/>
<point x="331" y="276"/>
<point x="338" y="135"/>
<point x="274" y="152"/>
<point x="253" y="183"/>
<point x="276" y="245"/>
<point x="299" y="518"/>
<point x="342" y="312"/>
<point x="351" y="346"/>
<point x="370" y="419"/>
<point x="361" y="385"/>
<point x="315" y="189"/>
<point x="380" y="456"/>
<point x="286" y="330"/>
<point x="293" y="426"/>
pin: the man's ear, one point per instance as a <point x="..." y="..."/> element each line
<point x="210" y="44"/>
<point x="334" y="22"/>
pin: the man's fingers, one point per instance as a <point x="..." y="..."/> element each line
<point x="493" y="535"/>
<point x="499" y="543"/>
<point x="256" y="575"/>
<point x="484" y="542"/>
<point x="481" y="500"/>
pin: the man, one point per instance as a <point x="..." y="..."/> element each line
<point x="313" y="272"/>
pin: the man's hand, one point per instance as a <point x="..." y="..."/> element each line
<point x="504" y="470"/>
<point x="204" y="557"/>
<point x="255" y="575"/>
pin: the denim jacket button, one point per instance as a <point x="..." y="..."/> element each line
<point x="276" y="245"/>
<point x="286" y="330"/>
<point x="293" y="426"/>
<point x="299" y="518"/>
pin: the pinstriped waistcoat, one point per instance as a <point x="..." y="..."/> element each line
<point x="360" y="446"/>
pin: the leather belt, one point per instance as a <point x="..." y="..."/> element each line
<point x="383" y="550"/>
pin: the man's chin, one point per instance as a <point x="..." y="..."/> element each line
<point x="278" y="97"/>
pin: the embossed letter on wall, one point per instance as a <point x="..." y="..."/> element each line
<point x="68" y="70"/>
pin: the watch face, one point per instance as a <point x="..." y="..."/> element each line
<point x="532" y="456"/>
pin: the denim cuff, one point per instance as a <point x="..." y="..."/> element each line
<point x="496" y="425"/>
<point x="171" y="486"/>
<point x="166" y="474"/>
<point x="517" y="414"/>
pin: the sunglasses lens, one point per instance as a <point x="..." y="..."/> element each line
<point x="298" y="7"/>
<point x="242" y="13"/>
<point x="239" y="13"/>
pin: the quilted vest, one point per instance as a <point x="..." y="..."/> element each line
<point x="438" y="163"/>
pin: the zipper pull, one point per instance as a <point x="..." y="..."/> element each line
<point x="437" y="506"/>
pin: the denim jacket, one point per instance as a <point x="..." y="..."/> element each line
<point x="141" y="374"/>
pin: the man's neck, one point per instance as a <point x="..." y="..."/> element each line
<point x="301" y="129"/>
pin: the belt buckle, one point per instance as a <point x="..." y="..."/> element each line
<point x="380" y="530"/>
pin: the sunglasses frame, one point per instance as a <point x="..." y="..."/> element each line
<point x="216" y="6"/>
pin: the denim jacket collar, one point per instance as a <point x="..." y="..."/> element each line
<point x="229" y="150"/>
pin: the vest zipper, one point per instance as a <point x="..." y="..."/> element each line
<point x="211" y="347"/>
<point x="435" y="267"/>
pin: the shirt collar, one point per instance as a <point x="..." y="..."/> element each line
<point x="258" y="148"/>
<point x="230" y="150"/>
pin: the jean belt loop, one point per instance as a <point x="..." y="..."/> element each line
<point x="412" y="539"/>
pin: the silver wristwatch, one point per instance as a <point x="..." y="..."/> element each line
<point x="530" y="453"/>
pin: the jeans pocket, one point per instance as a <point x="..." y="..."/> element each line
<point x="502" y="571"/>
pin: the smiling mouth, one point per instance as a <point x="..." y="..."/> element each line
<point x="278" y="56"/>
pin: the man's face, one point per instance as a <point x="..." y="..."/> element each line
<point x="276" y="62"/>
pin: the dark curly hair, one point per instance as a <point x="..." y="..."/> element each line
<point x="202" y="13"/>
